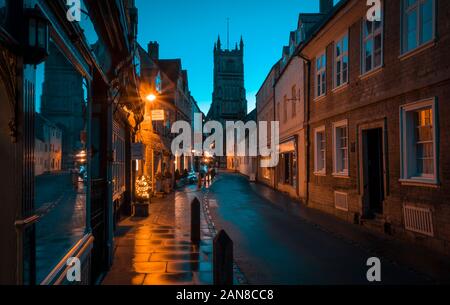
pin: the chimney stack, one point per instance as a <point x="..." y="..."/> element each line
<point x="153" y="50"/>
<point x="326" y="6"/>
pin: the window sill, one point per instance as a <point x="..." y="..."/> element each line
<point x="340" y="88"/>
<point x="341" y="175"/>
<point x="420" y="183"/>
<point x="417" y="50"/>
<point x="371" y="73"/>
<point x="320" y="174"/>
<point x="320" y="98"/>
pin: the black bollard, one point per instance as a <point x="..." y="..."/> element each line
<point x="223" y="259"/>
<point x="195" y="222"/>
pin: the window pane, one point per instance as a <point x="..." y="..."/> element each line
<point x="367" y="28"/>
<point x="427" y="21"/>
<point x="424" y="142"/>
<point x="345" y="43"/>
<point x="338" y="73"/>
<point x="318" y="85"/>
<point x="324" y="86"/>
<point x="60" y="159"/>
<point x="41" y="35"/>
<point x="320" y="151"/>
<point x="345" y="69"/>
<point x="377" y="51"/>
<point x="341" y="149"/>
<point x="411" y="26"/>
<point x="377" y="25"/>
<point x="32" y="33"/>
<point x="368" y="55"/>
<point x="410" y="2"/>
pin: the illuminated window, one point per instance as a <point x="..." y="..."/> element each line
<point x="419" y="145"/>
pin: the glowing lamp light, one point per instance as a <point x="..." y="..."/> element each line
<point x="151" y="97"/>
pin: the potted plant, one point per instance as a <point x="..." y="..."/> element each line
<point x="143" y="188"/>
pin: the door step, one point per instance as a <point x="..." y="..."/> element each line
<point x="377" y="225"/>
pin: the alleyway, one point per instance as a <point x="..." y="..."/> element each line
<point x="277" y="242"/>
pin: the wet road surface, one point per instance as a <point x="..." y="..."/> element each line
<point x="275" y="246"/>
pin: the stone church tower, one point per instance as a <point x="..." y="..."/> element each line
<point x="229" y="101"/>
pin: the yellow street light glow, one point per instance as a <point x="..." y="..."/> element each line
<point x="151" y="97"/>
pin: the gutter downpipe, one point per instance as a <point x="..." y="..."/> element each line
<point x="306" y="124"/>
<point x="275" y="169"/>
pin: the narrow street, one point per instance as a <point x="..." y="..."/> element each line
<point x="275" y="244"/>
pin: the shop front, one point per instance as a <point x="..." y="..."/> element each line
<point x="287" y="169"/>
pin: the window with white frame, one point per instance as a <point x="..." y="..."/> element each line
<point x="341" y="61"/>
<point x="319" y="151"/>
<point x="372" y="45"/>
<point x="340" y="148"/>
<point x="418" y="23"/>
<point x="321" y="74"/>
<point x="419" y="141"/>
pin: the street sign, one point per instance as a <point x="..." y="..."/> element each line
<point x="158" y="115"/>
<point x="137" y="151"/>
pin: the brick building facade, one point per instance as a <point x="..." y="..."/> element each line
<point x="378" y="105"/>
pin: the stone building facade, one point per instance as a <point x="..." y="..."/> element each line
<point x="229" y="97"/>
<point x="265" y="111"/>
<point x="229" y="102"/>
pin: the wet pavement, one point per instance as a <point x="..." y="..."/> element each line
<point x="157" y="250"/>
<point x="278" y="242"/>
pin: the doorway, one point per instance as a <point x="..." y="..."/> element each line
<point x="373" y="172"/>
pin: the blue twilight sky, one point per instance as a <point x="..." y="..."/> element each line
<point x="187" y="29"/>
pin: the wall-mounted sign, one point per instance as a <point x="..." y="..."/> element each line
<point x="158" y="115"/>
<point x="137" y="151"/>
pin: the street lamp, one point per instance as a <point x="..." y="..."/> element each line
<point x="151" y="97"/>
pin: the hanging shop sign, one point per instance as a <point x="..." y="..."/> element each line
<point x="158" y="115"/>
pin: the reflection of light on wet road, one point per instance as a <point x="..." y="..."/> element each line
<point x="158" y="251"/>
<point x="275" y="246"/>
<point x="61" y="226"/>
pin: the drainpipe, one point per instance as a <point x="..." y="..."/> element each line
<point x="275" y="169"/>
<point x="306" y="124"/>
